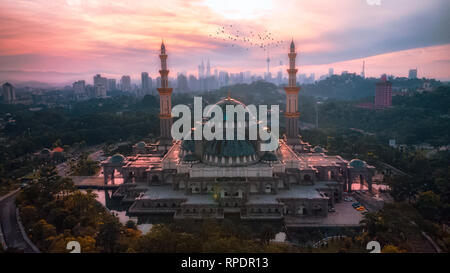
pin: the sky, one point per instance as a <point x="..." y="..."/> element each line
<point x="59" y="41"/>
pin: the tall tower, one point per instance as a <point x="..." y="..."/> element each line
<point x="363" y="72"/>
<point x="165" y="101"/>
<point x="292" y="90"/>
<point x="383" y="93"/>
<point x="201" y="71"/>
<point x="268" y="65"/>
<point x="208" y="69"/>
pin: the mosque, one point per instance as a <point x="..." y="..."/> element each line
<point x="208" y="179"/>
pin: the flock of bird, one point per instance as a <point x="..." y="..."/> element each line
<point x="251" y="39"/>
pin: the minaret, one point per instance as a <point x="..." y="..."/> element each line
<point x="165" y="101"/>
<point x="292" y="90"/>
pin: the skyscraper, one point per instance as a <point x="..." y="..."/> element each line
<point x="111" y="84"/>
<point x="100" y="84"/>
<point x="208" y="69"/>
<point x="182" y="83"/>
<point x="201" y="71"/>
<point x="9" y="93"/>
<point x="99" y="80"/>
<point x="79" y="87"/>
<point x="330" y="72"/>
<point x="412" y="74"/>
<point x="383" y="93"/>
<point x="268" y="75"/>
<point x="363" y="71"/>
<point x="125" y="83"/>
<point x="146" y="83"/>
<point x="165" y="100"/>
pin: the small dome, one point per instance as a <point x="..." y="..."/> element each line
<point x="269" y="156"/>
<point x="58" y="150"/>
<point x="190" y="158"/>
<point x="45" y="151"/>
<point x="117" y="158"/>
<point x="141" y="144"/>
<point x="357" y="163"/>
<point x="318" y="149"/>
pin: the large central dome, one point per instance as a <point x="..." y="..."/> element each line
<point x="226" y="152"/>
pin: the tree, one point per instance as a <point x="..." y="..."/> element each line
<point x="29" y="214"/>
<point x="392" y="249"/>
<point x="429" y="205"/>
<point x="372" y="222"/>
<point x="42" y="230"/>
<point x="109" y="233"/>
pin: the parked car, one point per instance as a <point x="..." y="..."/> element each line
<point x="331" y="210"/>
<point x="348" y="199"/>
<point x="356" y="204"/>
<point x="361" y="208"/>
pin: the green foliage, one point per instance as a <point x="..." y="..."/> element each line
<point x="85" y="166"/>
<point x="109" y="234"/>
<point x="429" y="205"/>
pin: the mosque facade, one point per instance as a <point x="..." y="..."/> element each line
<point x="208" y="179"/>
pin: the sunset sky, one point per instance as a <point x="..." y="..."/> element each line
<point x="75" y="39"/>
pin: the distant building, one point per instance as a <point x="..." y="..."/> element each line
<point x="363" y="71"/>
<point x="125" y="83"/>
<point x="9" y="93"/>
<point x="201" y="71"/>
<point x="224" y="78"/>
<point x="79" y="87"/>
<point x="99" y="80"/>
<point x="158" y="81"/>
<point x="146" y="83"/>
<point x="383" y="93"/>
<point x="193" y="83"/>
<point x="100" y="84"/>
<point x="412" y="74"/>
<point x="330" y="71"/>
<point x="100" y="91"/>
<point x="182" y="83"/>
<point x="111" y="84"/>
<point x="208" y="69"/>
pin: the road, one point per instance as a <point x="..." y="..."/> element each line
<point x="11" y="231"/>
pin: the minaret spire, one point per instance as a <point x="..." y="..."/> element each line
<point x="292" y="115"/>
<point x="165" y="100"/>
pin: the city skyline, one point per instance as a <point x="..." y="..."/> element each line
<point x="38" y="38"/>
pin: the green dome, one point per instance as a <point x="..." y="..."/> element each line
<point x="190" y="158"/>
<point x="318" y="149"/>
<point x="357" y="163"/>
<point x="223" y="105"/>
<point x="117" y="158"/>
<point x="188" y="145"/>
<point x="141" y="144"/>
<point x="268" y="156"/>
<point x="229" y="148"/>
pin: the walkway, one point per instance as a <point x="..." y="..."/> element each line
<point x="11" y="231"/>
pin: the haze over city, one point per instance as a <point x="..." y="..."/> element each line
<point x="66" y="40"/>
